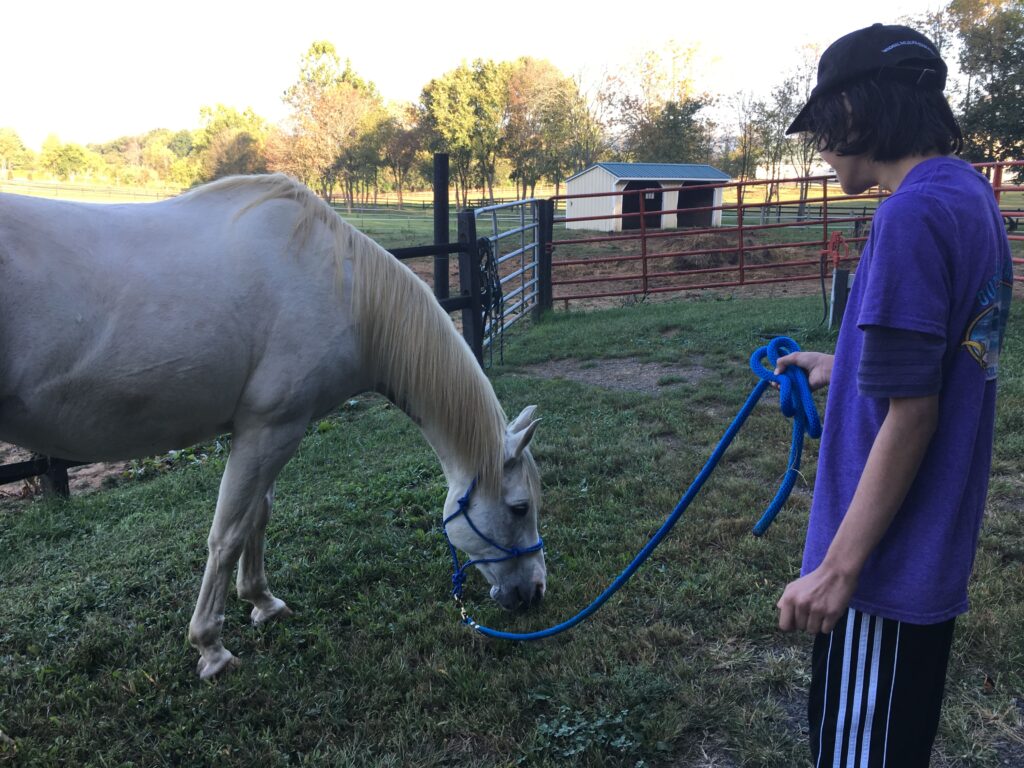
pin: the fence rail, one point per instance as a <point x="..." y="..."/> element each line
<point x="750" y="237"/>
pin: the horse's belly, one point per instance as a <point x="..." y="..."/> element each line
<point x="59" y="441"/>
<point x="106" y="412"/>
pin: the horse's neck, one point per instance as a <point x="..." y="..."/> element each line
<point x="455" y="470"/>
<point x="441" y="433"/>
<point x="421" y="364"/>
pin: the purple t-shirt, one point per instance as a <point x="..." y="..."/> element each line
<point x="937" y="261"/>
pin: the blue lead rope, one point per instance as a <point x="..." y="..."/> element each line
<point x="795" y="401"/>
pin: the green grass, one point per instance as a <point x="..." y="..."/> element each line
<point x="684" y="667"/>
<point x="393" y="228"/>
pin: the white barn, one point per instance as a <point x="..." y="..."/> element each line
<point x="654" y="180"/>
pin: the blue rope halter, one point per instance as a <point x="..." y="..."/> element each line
<point x="795" y="401"/>
<point x="511" y="553"/>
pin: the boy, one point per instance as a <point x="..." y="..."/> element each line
<point x="906" y="450"/>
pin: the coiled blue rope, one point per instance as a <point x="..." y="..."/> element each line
<point x="795" y="401"/>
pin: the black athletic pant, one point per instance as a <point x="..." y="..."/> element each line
<point x="876" y="692"/>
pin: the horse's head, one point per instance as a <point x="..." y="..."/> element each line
<point x="499" y="531"/>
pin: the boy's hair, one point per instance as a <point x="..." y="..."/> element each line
<point x="886" y="120"/>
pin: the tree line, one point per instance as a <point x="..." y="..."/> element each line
<point x="525" y="123"/>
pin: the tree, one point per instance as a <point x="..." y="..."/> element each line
<point x="490" y="113"/>
<point x="358" y="166"/>
<point x="991" y="36"/>
<point x="587" y="132"/>
<point x="536" y="139"/>
<point x="13" y="153"/>
<point x="232" y="153"/>
<point x="746" y="150"/>
<point x="332" y="107"/>
<point x="658" y="112"/>
<point x="672" y="134"/>
<point x="121" y="153"/>
<point x="987" y="39"/>
<point x="447" y="104"/>
<point x="229" y="142"/>
<point x="181" y="144"/>
<point x="157" y="155"/>
<point x="801" y="152"/>
<point x="771" y="119"/>
<point x="64" y="161"/>
<point x="401" y="141"/>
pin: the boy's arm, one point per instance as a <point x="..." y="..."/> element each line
<point x="815" y="602"/>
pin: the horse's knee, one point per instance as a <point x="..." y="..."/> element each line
<point x="224" y="550"/>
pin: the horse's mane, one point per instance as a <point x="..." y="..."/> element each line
<point x="408" y="341"/>
<point x="426" y="366"/>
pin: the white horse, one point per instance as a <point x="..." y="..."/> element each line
<point x="245" y="306"/>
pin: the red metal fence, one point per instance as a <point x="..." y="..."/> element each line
<point x="758" y="232"/>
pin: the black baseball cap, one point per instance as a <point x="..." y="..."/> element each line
<point x="883" y="52"/>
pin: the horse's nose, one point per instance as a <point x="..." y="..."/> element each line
<point x="531" y="594"/>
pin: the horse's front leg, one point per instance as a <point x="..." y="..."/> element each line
<point x="257" y="455"/>
<point x="252" y="576"/>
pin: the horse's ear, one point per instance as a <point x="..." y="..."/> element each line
<point x="522" y="419"/>
<point x="519" y="434"/>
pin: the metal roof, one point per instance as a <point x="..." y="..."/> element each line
<point x="661" y="171"/>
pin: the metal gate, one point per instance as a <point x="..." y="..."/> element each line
<point x="510" y="239"/>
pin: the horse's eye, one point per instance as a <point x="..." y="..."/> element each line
<point x="519" y="510"/>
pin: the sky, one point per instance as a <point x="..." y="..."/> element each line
<point x="90" y="72"/>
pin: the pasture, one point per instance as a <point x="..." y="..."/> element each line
<point x="684" y="667"/>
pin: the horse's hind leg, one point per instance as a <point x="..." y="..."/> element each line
<point x="252" y="576"/>
<point x="257" y="455"/>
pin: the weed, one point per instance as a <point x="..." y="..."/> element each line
<point x="571" y="734"/>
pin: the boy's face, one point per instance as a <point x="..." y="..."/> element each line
<point x="856" y="173"/>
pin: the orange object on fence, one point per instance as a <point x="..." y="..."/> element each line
<point x="838" y="249"/>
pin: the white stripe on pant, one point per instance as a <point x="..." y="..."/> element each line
<point x="865" y="692"/>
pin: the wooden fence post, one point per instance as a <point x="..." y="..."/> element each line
<point x="55" y="478"/>
<point x="545" y="236"/>
<point x="441" y="224"/>
<point x="469" y="284"/>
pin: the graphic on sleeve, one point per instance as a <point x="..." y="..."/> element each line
<point x="984" y="338"/>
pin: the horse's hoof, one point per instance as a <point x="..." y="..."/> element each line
<point x="277" y="610"/>
<point x="220" y="662"/>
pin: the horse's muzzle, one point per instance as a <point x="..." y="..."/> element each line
<point x="521" y="597"/>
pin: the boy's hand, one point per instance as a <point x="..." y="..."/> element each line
<point x="817" y="364"/>
<point x="816" y="602"/>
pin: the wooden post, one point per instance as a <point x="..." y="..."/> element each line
<point x="55" y="479"/>
<point x="441" y="225"/>
<point x="545" y="235"/>
<point x="469" y="284"/>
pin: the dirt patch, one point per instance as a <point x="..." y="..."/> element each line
<point x="82" y="479"/>
<point x="628" y="374"/>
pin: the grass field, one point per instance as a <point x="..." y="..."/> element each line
<point x="684" y="667"/>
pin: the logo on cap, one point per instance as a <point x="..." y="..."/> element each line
<point x="908" y="42"/>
